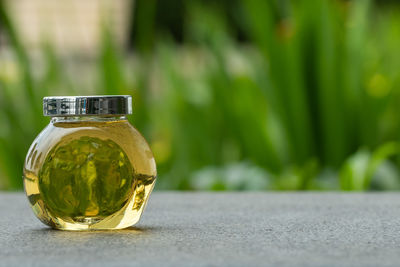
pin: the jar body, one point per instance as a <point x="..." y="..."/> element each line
<point x="89" y="173"/>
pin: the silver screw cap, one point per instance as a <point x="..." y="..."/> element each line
<point x="87" y="105"/>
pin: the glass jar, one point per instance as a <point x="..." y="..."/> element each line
<point x="89" y="168"/>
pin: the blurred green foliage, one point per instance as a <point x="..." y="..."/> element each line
<point x="294" y="95"/>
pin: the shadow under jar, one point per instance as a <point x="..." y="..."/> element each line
<point x="89" y="169"/>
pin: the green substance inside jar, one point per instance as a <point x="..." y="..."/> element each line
<point x="86" y="178"/>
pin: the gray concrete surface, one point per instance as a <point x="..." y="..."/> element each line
<point x="218" y="229"/>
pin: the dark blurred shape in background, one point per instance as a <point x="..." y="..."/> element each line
<point x="232" y="95"/>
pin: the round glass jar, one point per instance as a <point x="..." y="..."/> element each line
<point x="89" y="168"/>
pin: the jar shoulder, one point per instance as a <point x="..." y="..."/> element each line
<point x="120" y="133"/>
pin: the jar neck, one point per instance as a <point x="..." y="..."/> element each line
<point x="87" y="118"/>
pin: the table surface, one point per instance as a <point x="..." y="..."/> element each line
<point x="218" y="229"/>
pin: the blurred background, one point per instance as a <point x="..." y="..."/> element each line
<point x="231" y="95"/>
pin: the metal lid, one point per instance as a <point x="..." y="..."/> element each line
<point x="87" y="105"/>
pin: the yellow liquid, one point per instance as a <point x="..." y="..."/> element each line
<point x="89" y="175"/>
